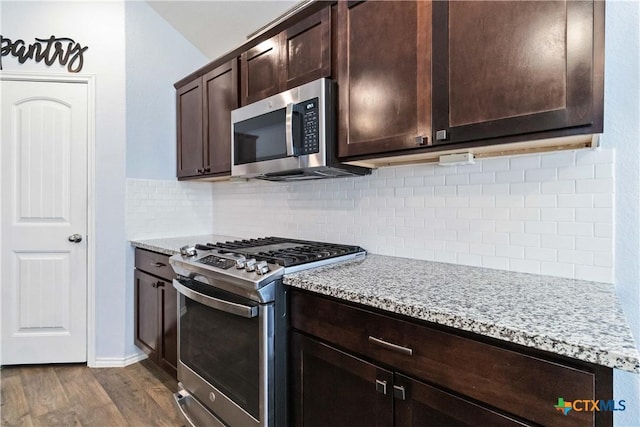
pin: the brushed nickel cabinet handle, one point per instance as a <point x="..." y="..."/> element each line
<point x="381" y="386"/>
<point x="158" y="264"/>
<point x="390" y="346"/>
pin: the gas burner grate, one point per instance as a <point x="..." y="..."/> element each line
<point x="283" y="251"/>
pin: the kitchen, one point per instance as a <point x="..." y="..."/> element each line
<point x="135" y="173"/>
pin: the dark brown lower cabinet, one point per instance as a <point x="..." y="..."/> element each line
<point x="333" y="388"/>
<point x="355" y="366"/>
<point x="419" y="404"/>
<point x="155" y="300"/>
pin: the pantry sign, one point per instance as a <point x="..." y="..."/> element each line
<point x="62" y="50"/>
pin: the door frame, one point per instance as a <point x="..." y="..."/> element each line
<point x="89" y="80"/>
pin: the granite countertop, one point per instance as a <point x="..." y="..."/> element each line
<point x="172" y="245"/>
<point x="575" y="318"/>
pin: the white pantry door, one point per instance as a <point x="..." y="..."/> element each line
<point x="43" y="276"/>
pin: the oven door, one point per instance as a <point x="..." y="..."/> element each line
<point x="226" y="353"/>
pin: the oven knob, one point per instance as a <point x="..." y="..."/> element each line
<point x="262" y="267"/>
<point x="240" y="262"/>
<point x="250" y="265"/>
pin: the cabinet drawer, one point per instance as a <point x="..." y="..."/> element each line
<point x="514" y="382"/>
<point x="154" y="263"/>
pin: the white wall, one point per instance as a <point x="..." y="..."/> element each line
<point x="157" y="57"/>
<point x="622" y="131"/>
<point x="136" y="57"/>
<point x="100" y="26"/>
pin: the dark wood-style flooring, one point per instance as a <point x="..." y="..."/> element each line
<point x="74" y="395"/>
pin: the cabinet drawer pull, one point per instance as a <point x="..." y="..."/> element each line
<point x="399" y="392"/>
<point x="158" y="264"/>
<point x="390" y="346"/>
<point x="381" y="386"/>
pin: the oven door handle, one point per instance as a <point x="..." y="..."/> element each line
<point x="216" y="303"/>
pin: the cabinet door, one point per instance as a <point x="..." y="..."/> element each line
<point x="421" y="405"/>
<point x="504" y="68"/>
<point x="189" y="127"/>
<point x="168" y="352"/>
<point x="260" y="70"/>
<point x="146" y="313"/>
<point x="384" y="76"/>
<point x="332" y="388"/>
<point x="220" y="97"/>
<point x="306" y="53"/>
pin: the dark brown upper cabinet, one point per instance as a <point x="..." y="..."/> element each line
<point x="260" y="67"/>
<point x="306" y="53"/>
<point x="220" y="97"/>
<point x="297" y="55"/>
<point x="204" y="122"/>
<point x="384" y="76"/>
<point x="516" y="68"/>
<point x="189" y="126"/>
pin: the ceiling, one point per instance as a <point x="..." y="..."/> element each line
<point x="216" y="27"/>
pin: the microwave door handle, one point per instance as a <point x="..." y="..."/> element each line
<point x="289" y="129"/>
<point x="216" y="303"/>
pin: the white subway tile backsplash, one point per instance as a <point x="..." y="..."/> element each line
<point x="525" y="162"/>
<point x="594" y="215"/>
<point x="577" y="257"/>
<point x="557" y="269"/>
<point x="557" y="214"/>
<point x="525" y="266"/>
<point x="510" y="176"/>
<point x="557" y="242"/>
<point x="575" y="228"/>
<point x="604" y="171"/>
<point x="597" y="274"/>
<point x="540" y="175"/>
<point x="495" y="164"/>
<point x="544" y="213"/>
<point x="575" y="200"/>
<point x="559" y="159"/>
<point x="595" y="186"/>
<point x="558" y="187"/>
<point x="482" y="178"/>
<point x="576" y="172"/>
<point x="495" y="189"/>
<point x="509" y="226"/>
<point x="457" y="179"/>
<point x="540" y="201"/>
<point x="586" y="157"/>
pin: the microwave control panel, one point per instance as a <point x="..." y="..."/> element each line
<point x="310" y="135"/>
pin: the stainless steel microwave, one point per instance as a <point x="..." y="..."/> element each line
<point x="290" y="136"/>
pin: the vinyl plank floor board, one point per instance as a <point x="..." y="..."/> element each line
<point x="139" y="395"/>
<point x="136" y="405"/>
<point x="89" y="400"/>
<point x="156" y="390"/>
<point x="14" y="408"/>
<point x="45" y="395"/>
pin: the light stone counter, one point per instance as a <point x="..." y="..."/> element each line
<point x="172" y="245"/>
<point x="579" y="319"/>
<point x="575" y="318"/>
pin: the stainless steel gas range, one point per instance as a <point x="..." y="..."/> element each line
<point x="232" y="327"/>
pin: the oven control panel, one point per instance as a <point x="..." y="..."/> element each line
<point x="217" y="262"/>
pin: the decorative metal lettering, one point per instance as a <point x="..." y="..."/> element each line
<point x="62" y="49"/>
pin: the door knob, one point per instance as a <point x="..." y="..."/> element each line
<point x="75" y="238"/>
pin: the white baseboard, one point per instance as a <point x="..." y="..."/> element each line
<point x="116" y="362"/>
